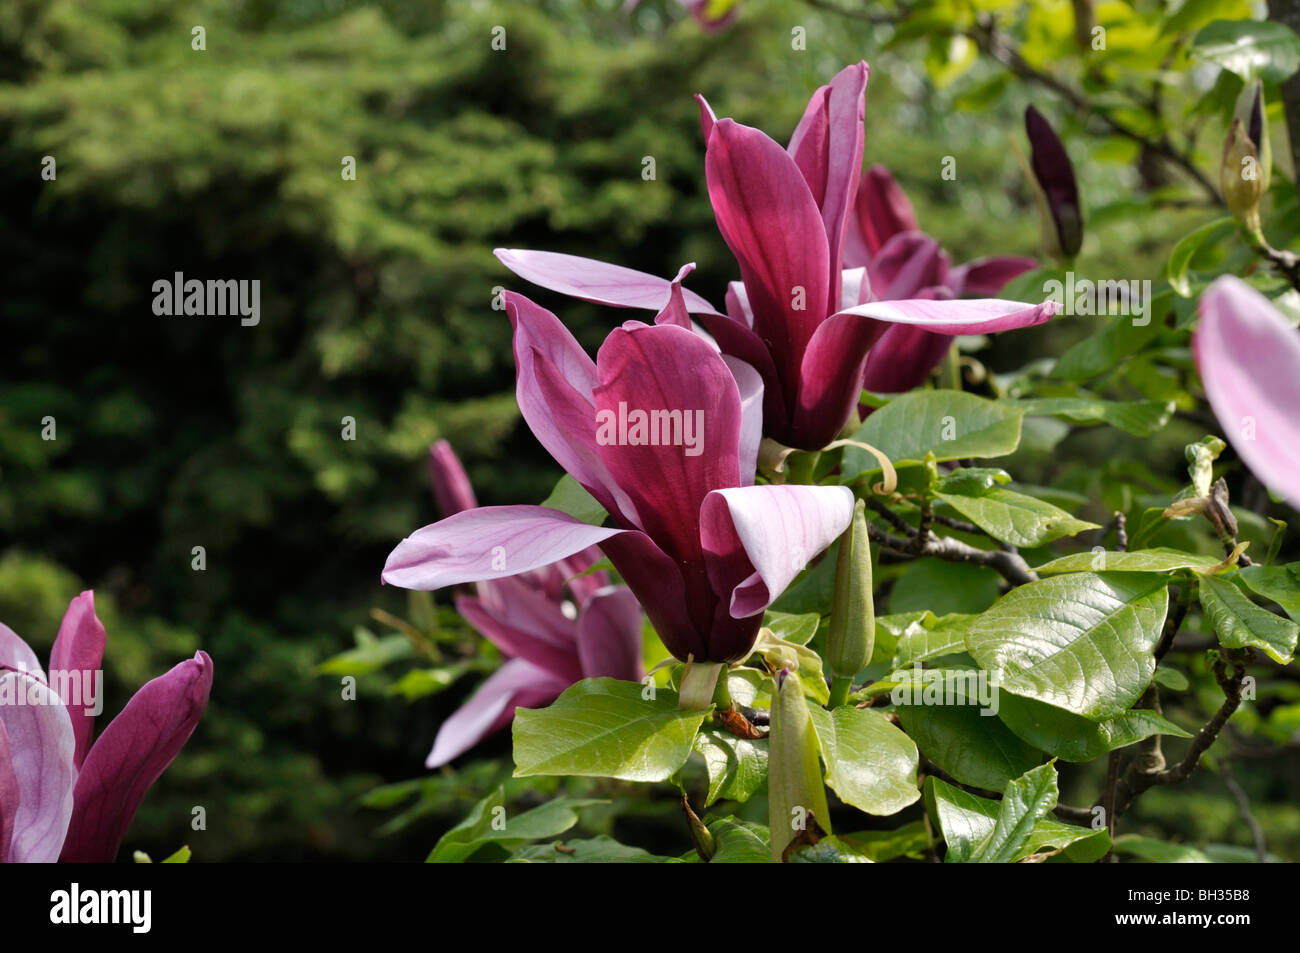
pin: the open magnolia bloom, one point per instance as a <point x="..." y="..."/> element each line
<point x="1249" y="358"/>
<point x="62" y="798"/>
<point x="798" y="316"/>
<point x="663" y="431"/>
<point x="559" y="624"/>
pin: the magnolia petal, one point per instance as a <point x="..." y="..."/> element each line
<point x="827" y="147"/>
<point x="79" y="651"/>
<point x="560" y="660"/>
<point x="777" y="530"/>
<point x="708" y="119"/>
<point x="831" y="378"/>
<point x="965" y="316"/>
<point x="451" y="486"/>
<point x="515" y="684"/>
<point x="903" y="359"/>
<point x="1249" y="358"/>
<point x="554" y="391"/>
<point x="882" y="211"/>
<point x="678" y="603"/>
<point x="750" y="384"/>
<point x="131" y="754"/>
<point x="490" y="542"/>
<point x="655" y="371"/>
<point x="595" y="281"/>
<point x="17" y="655"/>
<point x="674" y="312"/>
<point x="905" y="264"/>
<point x="772" y="225"/>
<point x="41" y="752"/>
<point x="10" y="795"/>
<point x="986" y="277"/>
<point x="609" y="635"/>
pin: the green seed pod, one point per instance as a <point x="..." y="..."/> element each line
<point x="796" y="796"/>
<point x="853" y="613"/>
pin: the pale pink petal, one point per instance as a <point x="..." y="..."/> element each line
<point x="42" y="747"/>
<point x="609" y="635"/>
<point x="595" y="281"/>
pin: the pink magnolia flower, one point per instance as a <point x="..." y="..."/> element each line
<point x="62" y="797"/>
<point x="704" y="550"/>
<point x="903" y="262"/>
<point x="802" y="320"/>
<point x="554" y="638"/>
<point x="1249" y="358"/>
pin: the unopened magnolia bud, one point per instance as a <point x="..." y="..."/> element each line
<point x="1055" y="188"/>
<point x="796" y="795"/>
<point x="1240" y="178"/>
<point x="852" y="633"/>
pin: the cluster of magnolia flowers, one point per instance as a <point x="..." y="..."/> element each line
<point x="839" y="291"/>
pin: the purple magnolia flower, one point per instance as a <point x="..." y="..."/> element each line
<point x="797" y="316"/>
<point x="554" y="638"/>
<point x="704" y="550"/>
<point x="1058" y="192"/>
<point x="903" y="262"/>
<point x="1249" y="358"/>
<point x="61" y="797"/>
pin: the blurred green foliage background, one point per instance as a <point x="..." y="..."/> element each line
<point x="175" y="432"/>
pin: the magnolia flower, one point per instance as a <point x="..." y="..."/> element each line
<point x="903" y="262"/>
<point x="797" y="316"/>
<point x="1249" y="358"/>
<point x="704" y="550"/>
<point x="552" y="641"/>
<point x="1054" y="187"/>
<point x="62" y="797"/>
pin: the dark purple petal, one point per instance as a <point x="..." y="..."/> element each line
<point x="451" y="486"/>
<point x="132" y="753"/>
<point x="1055" y="175"/>
<point x="882" y="212"/>
<point x="79" y="651"/>
<point x="609" y="635"/>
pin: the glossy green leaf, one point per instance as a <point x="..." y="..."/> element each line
<point x="1250" y="48"/>
<point x="979" y="830"/>
<point x="1081" y="641"/>
<point x="1141" y="560"/>
<point x="798" y="629"/>
<point x="601" y="727"/>
<point x="952" y="425"/>
<point x="1240" y="623"/>
<point x="1281" y="584"/>
<point x="926" y="636"/>
<point x="1102" y="351"/>
<point x="595" y="850"/>
<point x="1015" y="518"/>
<point x="1180" y="259"/>
<point x="870" y="763"/>
<point x="1138" y="417"/>
<point x="944" y="587"/>
<point x="490" y="822"/>
<point x="736" y="767"/>
<point x="739" y="842"/>
<point x="1158" y="851"/>
<point x="1071" y="737"/>
<point x="569" y="496"/>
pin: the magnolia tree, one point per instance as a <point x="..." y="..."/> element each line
<point x="694" y="606"/>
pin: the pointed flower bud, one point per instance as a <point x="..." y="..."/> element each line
<point x="796" y="795"/>
<point x="1247" y="159"/>
<point x="853" y="614"/>
<point x="1055" y="187"/>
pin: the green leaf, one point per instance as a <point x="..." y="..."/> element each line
<point x="1015" y="518"/>
<point x="829" y="850"/>
<point x="739" y="842"/>
<point x="1138" y="417"/>
<point x="489" y="822"/>
<point x="182" y="856"/>
<point x="926" y="636"/>
<point x="1250" y="48"/>
<point x="810" y="663"/>
<point x="422" y="682"/>
<point x="595" y="850"/>
<point x="798" y="629"/>
<point x="910" y="840"/>
<point x="950" y="424"/>
<point x="1158" y="851"/>
<point x="1102" y="352"/>
<point x="1081" y="641"/>
<point x="371" y="654"/>
<point x="601" y="727"/>
<point x="972" y="479"/>
<point x="870" y="763"/>
<point x="978" y="830"/>
<point x="1281" y="584"/>
<point x="1071" y="737"/>
<point x="1171" y="678"/>
<point x="569" y="496"/>
<point x="736" y="767"/>
<point x="1180" y="259"/>
<point x="1239" y="623"/>
<point x="1139" y="560"/>
<point x="974" y="748"/>
<point x="944" y="588"/>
